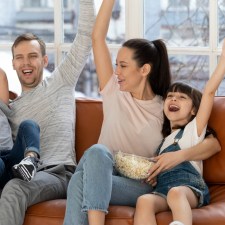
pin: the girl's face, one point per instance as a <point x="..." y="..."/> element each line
<point x="131" y="78"/>
<point x="178" y="108"/>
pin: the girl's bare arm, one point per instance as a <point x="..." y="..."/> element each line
<point x="208" y="147"/>
<point x="212" y="85"/>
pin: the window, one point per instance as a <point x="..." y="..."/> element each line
<point x="36" y="3"/>
<point x="192" y="29"/>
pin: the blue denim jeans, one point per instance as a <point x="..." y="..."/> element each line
<point x="27" y="140"/>
<point x="96" y="184"/>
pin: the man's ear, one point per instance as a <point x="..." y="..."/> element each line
<point x="45" y="59"/>
<point x="146" y="68"/>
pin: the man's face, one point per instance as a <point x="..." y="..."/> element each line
<point x="29" y="63"/>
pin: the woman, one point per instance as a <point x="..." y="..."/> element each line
<point x="133" y="117"/>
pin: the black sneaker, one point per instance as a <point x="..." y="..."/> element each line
<point x="26" y="169"/>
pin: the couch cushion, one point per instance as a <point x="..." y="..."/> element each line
<point x="49" y="213"/>
<point x="52" y="212"/>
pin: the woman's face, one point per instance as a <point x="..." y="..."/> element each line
<point x="131" y="78"/>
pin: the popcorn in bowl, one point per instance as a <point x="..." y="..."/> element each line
<point x="132" y="166"/>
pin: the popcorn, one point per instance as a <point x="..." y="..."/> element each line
<point x="132" y="166"/>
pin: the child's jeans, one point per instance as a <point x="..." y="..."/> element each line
<point x="27" y="140"/>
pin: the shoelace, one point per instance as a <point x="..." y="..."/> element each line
<point x="36" y="161"/>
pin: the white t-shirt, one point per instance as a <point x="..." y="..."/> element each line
<point x="190" y="138"/>
<point x="130" y="125"/>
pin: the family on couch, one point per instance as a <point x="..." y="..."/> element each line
<point x="133" y="98"/>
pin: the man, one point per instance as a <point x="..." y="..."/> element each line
<point x="50" y="103"/>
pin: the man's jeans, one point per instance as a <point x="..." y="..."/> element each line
<point x="27" y="140"/>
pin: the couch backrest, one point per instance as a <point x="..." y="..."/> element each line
<point x="89" y="119"/>
<point x="88" y="124"/>
<point x="12" y="95"/>
<point x="214" y="167"/>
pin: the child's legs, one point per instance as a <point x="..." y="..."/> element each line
<point x="181" y="200"/>
<point x="146" y="208"/>
<point x="29" y="135"/>
<point x="27" y="140"/>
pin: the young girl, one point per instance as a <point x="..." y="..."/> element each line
<point x="26" y="144"/>
<point x="181" y="188"/>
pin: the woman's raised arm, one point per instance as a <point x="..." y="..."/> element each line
<point x="102" y="56"/>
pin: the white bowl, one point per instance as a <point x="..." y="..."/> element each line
<point x="132" y="166"/>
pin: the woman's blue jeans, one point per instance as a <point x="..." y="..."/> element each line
<point x="27" y="140"/>
<point x="96" y="184"/>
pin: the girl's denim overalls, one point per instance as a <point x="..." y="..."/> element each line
<point x="183" y="174"/>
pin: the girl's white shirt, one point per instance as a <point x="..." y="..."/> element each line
<point x="190" y="138"/>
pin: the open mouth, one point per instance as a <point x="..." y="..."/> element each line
<point x="27" y="72"/>
<point x="173" y="108"/>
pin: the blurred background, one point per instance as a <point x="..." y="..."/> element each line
<point x="193" y="31"/>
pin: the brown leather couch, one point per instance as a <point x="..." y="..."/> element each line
<point x="89" y="118"/>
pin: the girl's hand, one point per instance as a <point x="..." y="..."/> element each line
<point x="164" y="162"/>
<point x="152" y="181"/>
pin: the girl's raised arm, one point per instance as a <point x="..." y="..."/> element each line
<point x="212" y="85"/>
<point x="102" y="56"/>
